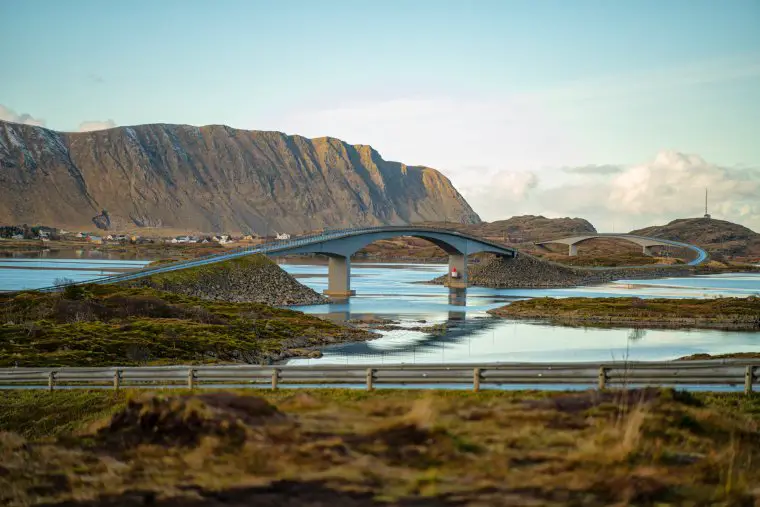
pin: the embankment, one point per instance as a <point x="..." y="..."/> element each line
<point x="250" y="279"/>
<point x="526" y="271"/>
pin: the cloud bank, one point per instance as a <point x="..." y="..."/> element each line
<point x="8" y="114"/>
<point x="671" y="185"/>
<point x="89" y="126"/>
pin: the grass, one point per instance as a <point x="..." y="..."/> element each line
<point x="108" y="325"/>
<point x="345" y="447"/>
<point x="729" y="313"/>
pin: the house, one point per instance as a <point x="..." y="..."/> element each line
<point x="282" y="235"/>
<point x="79" y="235"/>
<point x="44" y="235"/>
<point x="97" y="240"/>
<point x="109" y="238"/>
<point x="17" y="236"/>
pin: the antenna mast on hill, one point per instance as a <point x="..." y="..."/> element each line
<point x="707" y="215"/>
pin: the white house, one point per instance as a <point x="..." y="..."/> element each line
<point x="282" y="235"/>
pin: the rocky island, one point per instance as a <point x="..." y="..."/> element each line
<point x="720" y="313"/>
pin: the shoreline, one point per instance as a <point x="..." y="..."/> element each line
<point x="729" y="314"/>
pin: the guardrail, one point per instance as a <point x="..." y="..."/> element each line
<point x="613" y="374"/>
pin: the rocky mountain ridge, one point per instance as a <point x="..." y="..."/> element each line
<point x="211" y="178"/>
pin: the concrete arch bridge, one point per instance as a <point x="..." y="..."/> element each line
<point x="645" y="242"/>
<point x="339" y="246"/>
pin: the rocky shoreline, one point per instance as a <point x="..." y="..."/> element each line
<point x="528" y="272"/>
<point x="719" y="313"/>
<point x="250" y="279"/>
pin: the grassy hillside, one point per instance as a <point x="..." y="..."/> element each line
<point x="103" y="325"/>
<point x="719" y="237"/>
<point x="394" y="448"/>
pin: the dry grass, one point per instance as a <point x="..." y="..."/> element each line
<point x="342" y="447"/>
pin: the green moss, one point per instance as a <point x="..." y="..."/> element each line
<point x="721" y="312"/>
<point x="216" y="270"/>
<point x="103" y="325"/>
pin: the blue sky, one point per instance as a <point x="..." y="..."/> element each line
<point x="487" y="91"/>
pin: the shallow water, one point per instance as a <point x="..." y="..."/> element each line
<point x="35" y="273"/>
<point x="392" y="291"/>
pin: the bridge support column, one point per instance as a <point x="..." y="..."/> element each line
<point x="458" y="262"/>
<point x="339" y="277"/>
<point x="572" y="250"/>
<point x="647" y="250"/>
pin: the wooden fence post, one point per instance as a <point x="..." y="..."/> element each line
<point x="275" y="378"/>
<point x="602" y="378"/>
<point x="51" y="381"/>
<point x="370" y="379"/>
<point x="749" y="377"/>
<point x="476" y="380"/>
<point x="116" y="379"/>
<point x="190" y="378"/>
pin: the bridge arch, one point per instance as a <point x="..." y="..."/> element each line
<point x="338" y="246"/>
<point x="340" y="249"/>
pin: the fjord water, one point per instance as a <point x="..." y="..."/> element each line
<point x="395" y="291"/>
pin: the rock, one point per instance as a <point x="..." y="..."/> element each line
<point x="253" y="279"/>
<point x="527" y="272"/>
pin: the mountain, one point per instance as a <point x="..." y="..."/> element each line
<point x="524" y="228"/>
<point x="212" y="178"/>
<point x="716" y="236"/>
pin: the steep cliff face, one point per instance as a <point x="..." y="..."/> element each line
<point x="211" y="178"/>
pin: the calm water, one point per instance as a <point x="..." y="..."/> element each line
<point x="392" y="291"/>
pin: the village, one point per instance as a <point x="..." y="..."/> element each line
<point x="45" y="234"/>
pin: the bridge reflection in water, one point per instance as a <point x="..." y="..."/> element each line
<point x="421" y="341"/>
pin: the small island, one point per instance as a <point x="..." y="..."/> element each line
<point x="719" y="313"/>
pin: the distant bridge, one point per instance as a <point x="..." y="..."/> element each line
<point x="339" y="246"/>
<point x="645" y="242"/>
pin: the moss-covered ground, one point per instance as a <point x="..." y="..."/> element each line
<point x="352" y="448"/>
<point x="102" y="325"/>
<point x="728" y="313"/>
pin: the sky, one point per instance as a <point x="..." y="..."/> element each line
<point x="621" y="112"/>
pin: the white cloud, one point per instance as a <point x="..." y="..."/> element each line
<point x="8" y="114"/>
<point x="673" y="185"/>
<point x="670" y="186"/>
<point x="502" y="190"/>
<point x="89" y="126"/>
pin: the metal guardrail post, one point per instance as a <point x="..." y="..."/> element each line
<point x="749" y="377"/>
<point x="275" y="378"/>
<point x="370" y="379"/>
<point x="51" y="381"/>
<point x="476" y="379"/>
<point x="116" y="379"/>
<point x="602" y="378"/>
<point x="191" y="378"/>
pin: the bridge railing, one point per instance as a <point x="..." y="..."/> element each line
<point x="707" y="374"/>
<point x="264" y="248"/>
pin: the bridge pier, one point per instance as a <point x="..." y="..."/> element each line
<point x="647" y="250"/>
<point x="339" y="277"/>
<point x="458" y="262"/>
<point x="572" y="250"/>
